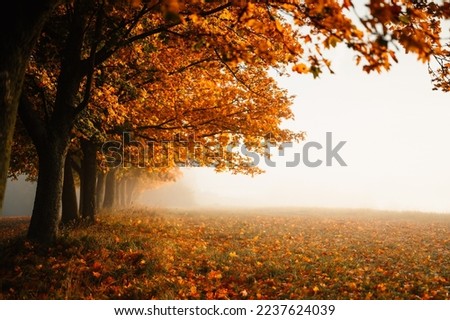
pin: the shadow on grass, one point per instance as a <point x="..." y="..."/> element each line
<point x="90" y="261"/>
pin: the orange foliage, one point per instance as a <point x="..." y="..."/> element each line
<point x="201" y="68"/>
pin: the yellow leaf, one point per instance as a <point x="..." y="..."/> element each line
<point x="195" y="18"/>
<point x="279" y="26"/>
<point x="300" y="68"/>
<point x="214" y="275"/>
<point x="331" y="41"/>
<point x="193" y="290"/>
<point x="352" y="285"/>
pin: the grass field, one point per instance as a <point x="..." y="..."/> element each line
<point x="253" y="254"/>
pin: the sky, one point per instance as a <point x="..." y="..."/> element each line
<point x="397" y="146"/>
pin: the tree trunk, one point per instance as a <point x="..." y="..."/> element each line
<point x="117" y="203"/>
<point x="131" y="186"/>
<point x="69" y="195"/>
<point x="51" y="134"/>
<point x="123" y="192"/>
<point x="52" y="143"/>
<point x="110" y="189"/>
<point x="100" y="192"/>
<point x="88" y="179"/>
<point x="44" y="225"/>
<point x="21" y="23"/>
<point x="120" y="193"/>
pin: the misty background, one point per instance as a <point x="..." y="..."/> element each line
<point x="397" y="150"/>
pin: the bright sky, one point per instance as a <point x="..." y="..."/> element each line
<point x="398" y="151"/>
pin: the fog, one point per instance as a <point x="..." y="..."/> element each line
<point x="173" y="195"/>
<point x="397" y="151"/>
<point x="19" y="197"/>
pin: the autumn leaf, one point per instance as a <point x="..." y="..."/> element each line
<point x="97" y="265"/>
<point x="192" y="258"/>
<point x="193" y="290"/>
<point x="300" y="68"/>
<point x="331" y="41"/>
<point x="214" y="274"/>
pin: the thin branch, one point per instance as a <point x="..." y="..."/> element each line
<point x="105" y="52"/>
<point x="31" y="120"/>
<point x="41" y="92"/>
<point x="192" y="64"/>
<point x="234" y="73"/>
<point x="114" y="35"/>
<point x="90" y="75"/>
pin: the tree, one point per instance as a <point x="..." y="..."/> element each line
<point x="84" y="36"/>
<point x="17" y="41"/>
<point x="69" y="197"/>
<point x="439" y="69"/>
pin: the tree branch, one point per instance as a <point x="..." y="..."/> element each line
<point x="91" y="60"/>
<point x="107" y="52"/>
<point x="31" y="120"/>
